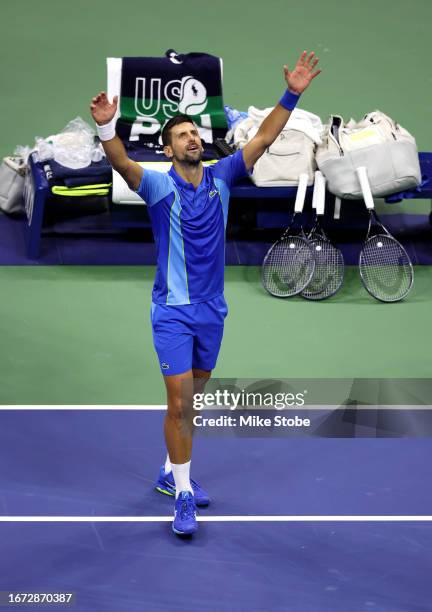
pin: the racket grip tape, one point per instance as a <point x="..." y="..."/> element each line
<point x="315" y="189"/>
<point x="301" y="192"/>
<point x="320" y="202"/>
<point x="337" y="208"/>
<point x="365" y="187"/>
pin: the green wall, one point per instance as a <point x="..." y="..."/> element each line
<point x="373" y="55"/>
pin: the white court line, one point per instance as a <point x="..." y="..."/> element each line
<point x="82" y="407"/>
<point x="320" y="518"/>
<point x="150" y="407"/>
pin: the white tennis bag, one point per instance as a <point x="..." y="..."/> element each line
<point x="291" y="154"/>
<point x="12" y="172"/>
<point x="384" y="148"/>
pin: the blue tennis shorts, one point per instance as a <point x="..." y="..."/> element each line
<point x="188" y="336"/>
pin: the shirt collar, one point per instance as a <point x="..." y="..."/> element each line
<point x="180" y="182"/>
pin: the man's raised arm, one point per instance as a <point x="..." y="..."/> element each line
<point x="103" y="113"/>
<point x="297" y="81"/>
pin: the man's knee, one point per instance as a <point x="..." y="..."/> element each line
<point x="200" y="379"/>
<point x="179" y="410"/>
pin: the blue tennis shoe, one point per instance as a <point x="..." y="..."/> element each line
<point x="165" y="484"/>
<point x="185" y="522"/>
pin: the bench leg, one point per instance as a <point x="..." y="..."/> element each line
<point x="34" y="206"/>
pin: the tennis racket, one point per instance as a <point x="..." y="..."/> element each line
<point x="289" y="264"/>
<point x="385" y="268"/>
<point x="329" y="270"/>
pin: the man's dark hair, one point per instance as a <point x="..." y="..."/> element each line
<point x="166" y="132"/>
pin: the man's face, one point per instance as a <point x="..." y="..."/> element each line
<point x="185" y="144"/>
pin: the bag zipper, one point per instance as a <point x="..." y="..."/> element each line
<point x="392" y="126"/>
<point x="335" y="137"/>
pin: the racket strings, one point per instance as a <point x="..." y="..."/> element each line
<point x="288" y="267"/>
<point x="329" y="271"/>
<point x="385" y="268"/>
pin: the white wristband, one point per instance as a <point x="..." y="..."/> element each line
<point x="107" y="131"/>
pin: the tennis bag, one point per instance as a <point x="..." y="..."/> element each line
<point x="12" y="172"/>
<point x="291" y="154"/>
<point x="386" y="149"/>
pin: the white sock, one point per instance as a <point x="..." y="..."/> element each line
<point x="181" y="473"/>
<point x="167" y="465"/>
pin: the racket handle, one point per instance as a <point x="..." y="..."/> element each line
<point x="365" y="187"/>
<point x="320" y="203"/>
<point x="337" y="208"/>
<point x="316" y="189"/>
<point x="301" y="193"/>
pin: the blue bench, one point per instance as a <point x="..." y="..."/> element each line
<point x="37" y="190"/>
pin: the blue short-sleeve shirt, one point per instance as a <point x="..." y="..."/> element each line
<point x="189" y="230"/>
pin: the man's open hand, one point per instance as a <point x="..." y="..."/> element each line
<point x="303" y="73"/>
<point x="102" y="111"/>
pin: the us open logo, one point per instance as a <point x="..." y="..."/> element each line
<point x="187" y="96"/>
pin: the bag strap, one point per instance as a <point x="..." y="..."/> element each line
<point x="15" y="163"/>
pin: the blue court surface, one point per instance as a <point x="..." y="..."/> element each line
<point x="301" y="524"/>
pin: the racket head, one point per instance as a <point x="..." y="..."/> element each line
<point x="385" y="268"/>
<point x="329" y="271"/>
<point x="288" y="266"/>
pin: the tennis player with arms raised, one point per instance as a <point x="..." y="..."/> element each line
<point x="188" y="208"/>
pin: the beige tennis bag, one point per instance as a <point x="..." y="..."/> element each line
<point x="290" y="155"/>
<point x="384" y="148"/>
<point x="12" y="172"/>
